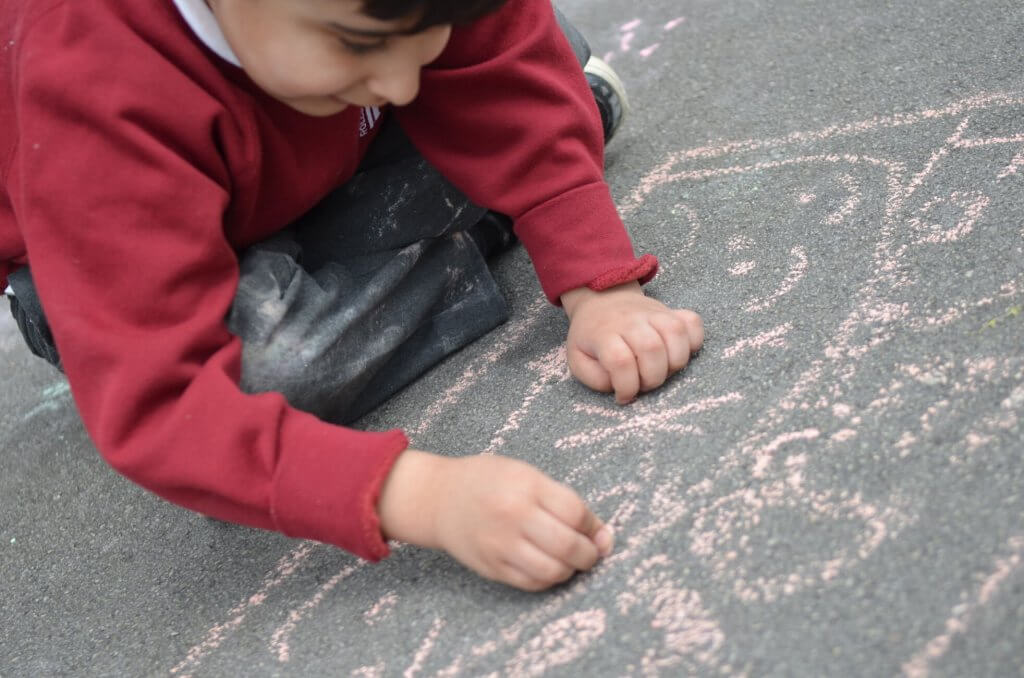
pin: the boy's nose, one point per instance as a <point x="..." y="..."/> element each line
<point x="399" y="87"/>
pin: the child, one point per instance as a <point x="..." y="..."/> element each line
<point x="237" y="250"/>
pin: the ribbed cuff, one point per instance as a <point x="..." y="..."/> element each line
<point x="642" y="270"/>
<point x="328" y="482"/>
<point x="579" y="240"/>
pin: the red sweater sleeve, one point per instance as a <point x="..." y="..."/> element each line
<point x="506" y="114"/>
<point x="121" y="205"/>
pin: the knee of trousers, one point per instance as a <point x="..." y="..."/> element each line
<point x="315" y="339"/>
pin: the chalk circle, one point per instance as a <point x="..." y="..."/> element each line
<point x="737" y="536"/>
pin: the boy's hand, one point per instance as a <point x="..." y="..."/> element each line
<point x="623" y="341"/>
<point x="498" y="516"/>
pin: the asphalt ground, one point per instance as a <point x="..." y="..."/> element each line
<point x="833" y="486"/>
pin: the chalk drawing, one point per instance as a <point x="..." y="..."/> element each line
<point x="963" y="614"/>
<point x="897" y="225"/>
<point x="693" y="639"/>
<point x="286" y="566"/>
<point x="629" y="31"/>
<point x="54" y="397"/>
<point x="558" y="643"/>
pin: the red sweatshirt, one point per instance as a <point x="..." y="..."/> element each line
<point x="136" y="163"/>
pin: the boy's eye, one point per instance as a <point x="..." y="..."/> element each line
<point x="362" y="47"/>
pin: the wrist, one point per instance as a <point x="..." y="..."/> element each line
<point x="410" y="496"/>
<point x="575" y="298"/>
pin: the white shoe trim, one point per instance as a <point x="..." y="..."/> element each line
<point x="601" y="69"/>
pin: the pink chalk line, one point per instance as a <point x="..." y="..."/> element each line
<point x="381" y="608"/>
<point x="279" y="639"/>
<point x="742" y="268"/>
<point x="990" y="141"/>
<point x="963" y="615"/>
<point x="851" y="204"/>
<point x="690" y="630"/>
<point x="797" y="271"/>
<point x="763" y="457"/>
<point x="215" y="636"/>
<point x="509" y="337"/>
<point x="973" y="205"/>
<point x="983" y="372"/>
<point x="648" y="420"/>
<point x="936" y="156"/>
<point x="426" y="647"/>
<point x="552" y="368"/>
<point x="375" y="671"/>
<point x="953" y="313"/>
<point x="639" y="584"/>
<point x="834" y="351"/>
<point x="652" y="181"/>
<point x="694" y="233"/>
<point x="1015" y="164"/>
<point x="660" y="174"/>
<point x="714" y="533"/>
<point x="558" y="643"/>
<point x="773" y="338"/>
<point x="626" y="41"/>
<point x="739" y="243"/>
<point x="671" y="25"/>
<point x="646" y="52"/>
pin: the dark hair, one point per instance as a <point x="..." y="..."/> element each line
<point x="431" y="12"/>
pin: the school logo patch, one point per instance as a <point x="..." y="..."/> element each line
<point x="368" y="120"/>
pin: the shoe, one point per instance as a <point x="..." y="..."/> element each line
<point x="610" y="94"/>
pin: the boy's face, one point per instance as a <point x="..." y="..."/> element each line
<point x="321" y="56"/>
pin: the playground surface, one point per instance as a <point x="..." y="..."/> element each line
<point x="834" y="486"/>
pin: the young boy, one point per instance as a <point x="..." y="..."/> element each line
<point x="237" y="250"/>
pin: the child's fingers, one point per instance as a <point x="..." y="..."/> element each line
<point x="651" y="356"/>
<point x="589" y="371"/>
<point x="562" y="502"/>
<point x="564" y="543"/>
<point x="617" y="357"/>
<point x="515" y="576"/>
<point x="675" y="332"/>
<point x="537" y="565"/>
<point x="694" y="327"/>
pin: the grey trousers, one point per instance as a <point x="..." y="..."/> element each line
<point x="360" y="296"/>
<point x="367" y="291"/>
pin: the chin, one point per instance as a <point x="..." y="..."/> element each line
<point x="318" y="108"/>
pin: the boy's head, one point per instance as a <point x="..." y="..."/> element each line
<point x="321" y="56"/>
<point x="431" y="12"/>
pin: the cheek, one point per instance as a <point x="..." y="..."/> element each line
<point x="311" y="72"/>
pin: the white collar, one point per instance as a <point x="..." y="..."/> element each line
<point x="199" y="17"/>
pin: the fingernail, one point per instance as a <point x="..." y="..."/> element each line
<point x="604" y="539"/>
